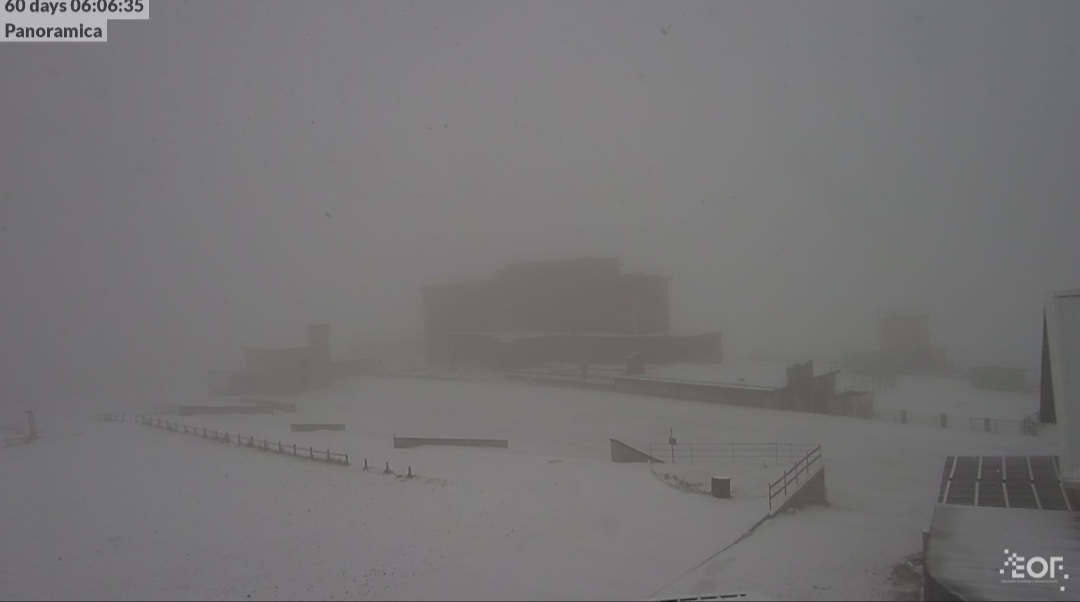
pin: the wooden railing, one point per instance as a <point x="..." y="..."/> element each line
<point x="779" y="487"/>
<point x="260" y="444"/>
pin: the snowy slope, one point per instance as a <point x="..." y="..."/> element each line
<point x="120" y="511"/>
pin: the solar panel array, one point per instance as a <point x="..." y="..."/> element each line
<point x="1005" y="482"/>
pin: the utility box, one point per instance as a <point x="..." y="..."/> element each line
<point x="721" y="487"/>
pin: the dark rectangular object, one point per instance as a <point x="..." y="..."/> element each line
<point x="1017" y="469"/>
<point x="300" y="428"/>
<point x="967" y="469"/>
<point x="406" y="442"/>
<point x="1051" y="497"/>
<point x="248" y="409"/>
<point x="1043" y="469"/>
<point x="721" y="487"/>
<point x="281" y="406"/>
<point x="992" y="468"/>
<point x="1021" y="495"/>
<point x="961" y="492"/>
<point x="991" y="493"/>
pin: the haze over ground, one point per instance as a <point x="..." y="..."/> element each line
<point x="222" y="174"/>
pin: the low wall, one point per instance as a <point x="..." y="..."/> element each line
<point x="300" y="428"/>
<point x="699" y="391"/>
<point x="621" y="452"/>
<point x="858" y="404"/>
<point x="354" y="366"/>
<point x="562" y="381"/>
<point x="407" y="442"/>
<point x="281" y="406"/>
<point x="248" y="409"/>
<point x="811" y="492"/>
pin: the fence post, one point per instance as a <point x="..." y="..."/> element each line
<point x="294" y="449"/>
<point x="944" y="420"/>
<point x="986" y="425"/>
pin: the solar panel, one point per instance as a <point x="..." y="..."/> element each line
<point x="1003" y="482"/>
<point x="1043" y="468"/>
<point x="962" y="493"/>
<point x="1050" y="495"/>
<point x="991" y="493"/>
<point x="1016" y="468"/>
<point x="945" y="473"/>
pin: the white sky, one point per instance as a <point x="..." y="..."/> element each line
<point x="224" y="173"/>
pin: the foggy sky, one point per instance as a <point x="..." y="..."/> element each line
<point x="226" y="172"/>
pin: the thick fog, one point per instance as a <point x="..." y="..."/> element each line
<point x="227" y="172"/>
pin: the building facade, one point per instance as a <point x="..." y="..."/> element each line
<point x="288" y="370"/>
<point x="578" y="310"/>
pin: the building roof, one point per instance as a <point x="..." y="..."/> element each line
<point x="513" y="336"/>
<point x="746" y="374"/>
<point x="971" y="560"/>
<point x="1062" y="344"/>
<point x="609" y="266"/>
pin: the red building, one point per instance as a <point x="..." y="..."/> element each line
<point x="579" y="310"/>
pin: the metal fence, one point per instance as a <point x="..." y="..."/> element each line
<point x="252" y="442"/>
<point x="747" y="453"/>
<point x="790" y="478"/>
<point x="1027" y="425"/>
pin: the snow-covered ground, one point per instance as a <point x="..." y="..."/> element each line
<point x="954" y="396"/>
<point x="102" y="510"/>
